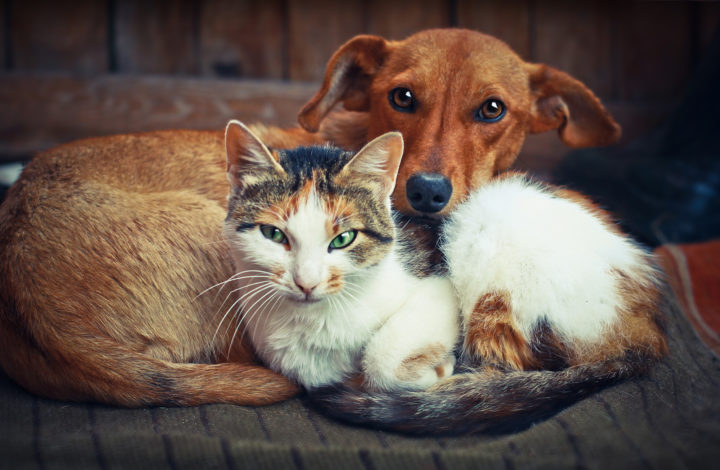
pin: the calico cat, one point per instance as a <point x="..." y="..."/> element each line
<point x="555" y="303"/>
<point x="326" y="289"/>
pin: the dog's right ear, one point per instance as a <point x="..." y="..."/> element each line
<point x="347" y="78"/>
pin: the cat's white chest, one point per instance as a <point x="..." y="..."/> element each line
<point x="315" y="346"/>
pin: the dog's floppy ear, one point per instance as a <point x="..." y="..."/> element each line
<point x="564" y="103"/>
<point x="347" y="78"/>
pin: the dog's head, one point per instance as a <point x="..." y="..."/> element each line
<point x="463" y="101"/>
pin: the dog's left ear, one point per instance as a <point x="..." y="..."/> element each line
<point x="348" y="77"/>
<point x="564" y="103"/>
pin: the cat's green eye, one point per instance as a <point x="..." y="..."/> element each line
<point x="273" y="234"/>
<point x="343" y="240"/>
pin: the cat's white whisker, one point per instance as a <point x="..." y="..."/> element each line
<point x="241" y="311"/>
<point x="222" y="320"/>
<point x="275" y="294"/>
<point x="238" y="289"/>
<point x="237" y="302"/>
<point x="251" y="307"/>
<point x="342" y="308"/>
<point x="263" y="305"/>
<point x="233" y="278"/>
<point x="278" y="297"/>
<point x="271" y="293"/>
<point x="252" y="276"/>
<point x="352" y="291"/>
<point x="221" y="283"/>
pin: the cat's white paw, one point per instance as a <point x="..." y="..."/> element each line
<point x="422" y="371"/>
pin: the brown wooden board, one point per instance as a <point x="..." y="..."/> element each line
<point x="576" y="37"/>
<point x="59" y="36"/>
<point x="509" y="21"/>
<point x="401" y="18"/>
<point x="316" y="29"/>
<point x="242" y="38"/>
<point x="45" y="110"/>
<point x="155" y="36"/>
<point x="40" y="111"/>
<point x="653" y="49"/>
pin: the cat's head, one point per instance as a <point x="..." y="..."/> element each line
<point x="313" y="219"/>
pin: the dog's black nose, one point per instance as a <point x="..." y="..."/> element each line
<point x="428" y="192"/>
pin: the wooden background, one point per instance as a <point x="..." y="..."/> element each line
<point x="91" y="67"/>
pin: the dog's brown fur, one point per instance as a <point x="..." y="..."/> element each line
<point x="106" y="243"/>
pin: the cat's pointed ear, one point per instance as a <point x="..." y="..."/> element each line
<point x="377" y="161"/>
<point x="246" y="154"/>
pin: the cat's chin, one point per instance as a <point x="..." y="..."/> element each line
<point x="304" y="301"/>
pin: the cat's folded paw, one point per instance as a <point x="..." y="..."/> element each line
<point x="421" y="371"/>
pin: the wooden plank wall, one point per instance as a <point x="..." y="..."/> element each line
<point x="623" y="50"/>
<point x="634" y="54"/>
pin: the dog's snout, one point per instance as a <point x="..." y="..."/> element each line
<point x="428" y="192"/>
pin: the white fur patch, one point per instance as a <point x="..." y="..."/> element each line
<point x="555" y="259"/>
<point x="427" y="320"/>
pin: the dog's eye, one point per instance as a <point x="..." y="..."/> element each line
<point x="402" y="100"/>
<point x="491" y="110"/>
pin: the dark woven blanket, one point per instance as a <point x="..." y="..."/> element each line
<point x="668" y="419"/>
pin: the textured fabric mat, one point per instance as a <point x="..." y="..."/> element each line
<point x="693" y="271"/>
<point x="669" y="419"/>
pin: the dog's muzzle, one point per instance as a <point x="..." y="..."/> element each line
<point x="428" y="192"/>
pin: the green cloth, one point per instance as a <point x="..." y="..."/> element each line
<point x="668" y="419"/>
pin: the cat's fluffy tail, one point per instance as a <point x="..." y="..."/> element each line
<point x="475" y="401"/>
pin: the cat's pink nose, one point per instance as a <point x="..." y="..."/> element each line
<point x="306" y="289"/>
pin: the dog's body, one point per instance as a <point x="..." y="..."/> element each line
<point x="106" y="244"/>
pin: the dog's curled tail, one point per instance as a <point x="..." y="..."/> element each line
<point x="484" y="400"/>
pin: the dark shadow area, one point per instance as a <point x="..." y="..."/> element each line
<point x="664" y="187"/>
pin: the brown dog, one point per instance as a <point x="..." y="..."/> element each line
<point x="463" y="101"/>
<point x="106" y="243"/>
